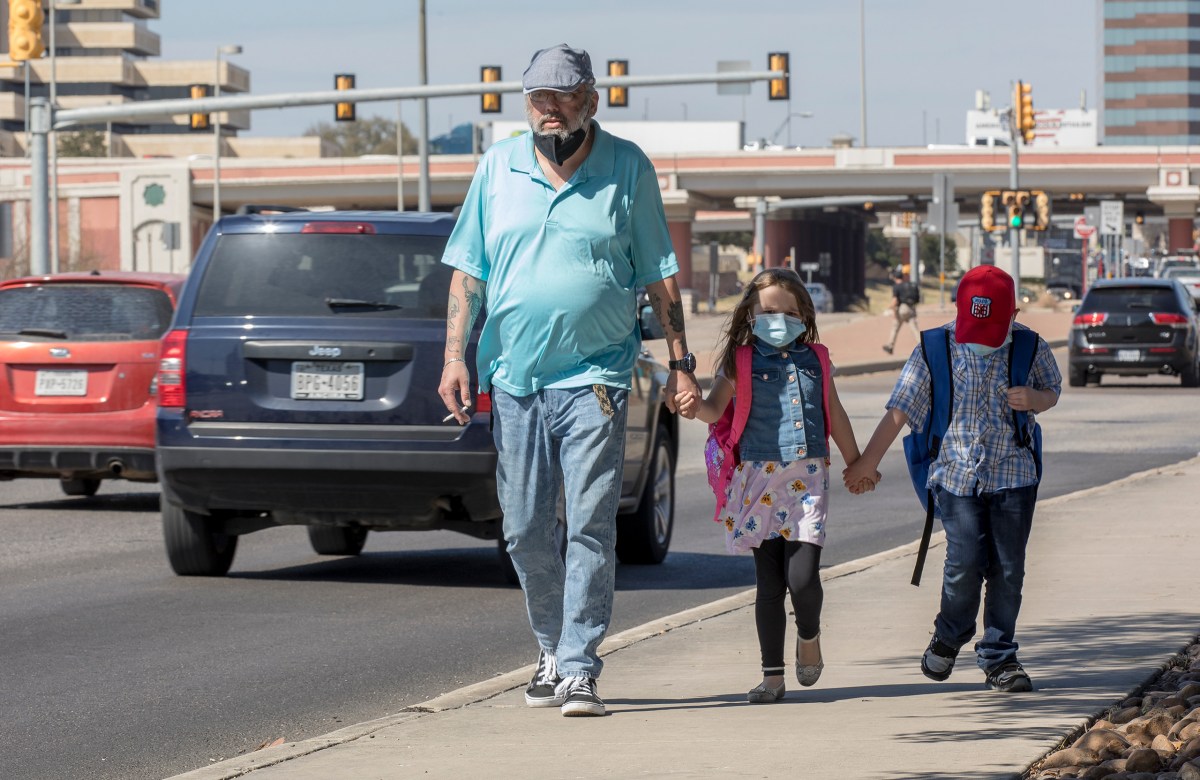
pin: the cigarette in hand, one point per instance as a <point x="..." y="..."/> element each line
<point x="450" y="417"/>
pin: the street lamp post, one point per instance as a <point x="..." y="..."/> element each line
<point x="231" y="48"/>
<point x="788" y="124"/>
<point x="53" y="137"/>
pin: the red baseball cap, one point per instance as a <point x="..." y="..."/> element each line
<point x="986" y="300"/>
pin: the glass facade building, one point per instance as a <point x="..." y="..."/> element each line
<point x="1152" y="72"/>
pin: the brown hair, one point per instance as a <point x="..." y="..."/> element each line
<point x="738" y="331"/>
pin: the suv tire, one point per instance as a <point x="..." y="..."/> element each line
<point x="1190" y="375"/>
<point x="194" y="548"/>
<point x="337" y="539"/>
<point x="1077" y="376"/>
<point x="644" y="535"/>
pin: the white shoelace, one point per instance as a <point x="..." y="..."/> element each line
<point x="547" y="673"/>
<point x="571" y="685"/>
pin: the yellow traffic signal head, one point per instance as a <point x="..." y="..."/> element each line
<point x="618" y="97"/>
<point x="344" y="112"/>
<point x="1041" y="210"/>
<point x="779" y="89"/>
<point x="1023" y="121"/>
<point x="25" y="20"/>
<point x="987" y="210"/>
<point x="489" y="102"/>
<point x="198" y="121"/>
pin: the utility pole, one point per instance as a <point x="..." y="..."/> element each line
<point x="1014" y="232"/>
<point x="423" y="197"/>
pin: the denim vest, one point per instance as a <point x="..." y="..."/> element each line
<point x="787" y="417"/>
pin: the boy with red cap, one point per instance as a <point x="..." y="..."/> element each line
<point x="983" y="482"/>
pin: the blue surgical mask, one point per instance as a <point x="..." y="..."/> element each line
<point x="983" y="350"/>
<point x="778" y="330"/>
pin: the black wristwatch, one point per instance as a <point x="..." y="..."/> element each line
<point x="686" y="363"/>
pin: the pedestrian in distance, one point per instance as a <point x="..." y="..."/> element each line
<point x="983" y="480"/>
<point x="905" y="297"/>
<point x="775" y="504"/>
<point x="559" y="228"/>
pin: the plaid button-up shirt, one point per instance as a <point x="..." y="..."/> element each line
<point x="979" y="453"/>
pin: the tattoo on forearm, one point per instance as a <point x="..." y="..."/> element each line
<point x="474" y="299"/>
<point x="675" y="316"/>
<point x="452" y="307"/>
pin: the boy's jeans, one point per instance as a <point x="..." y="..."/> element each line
<point x="985" y="542"/>
<point x="582" y="434"/>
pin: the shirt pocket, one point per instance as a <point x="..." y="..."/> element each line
<point x="768" y="376"/>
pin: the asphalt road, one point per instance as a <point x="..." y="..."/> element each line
<point x="112" y="667"/>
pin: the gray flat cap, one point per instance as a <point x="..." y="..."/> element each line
<point x="559" y="68"/>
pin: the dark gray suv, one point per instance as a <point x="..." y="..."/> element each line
<point x="298" y="387"/>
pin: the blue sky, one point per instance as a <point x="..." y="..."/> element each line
<point x="925" y="58"/>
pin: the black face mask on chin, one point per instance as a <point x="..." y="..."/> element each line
<point x="556" y="149"/>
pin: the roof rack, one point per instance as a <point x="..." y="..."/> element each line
<point x="265" y="208"/>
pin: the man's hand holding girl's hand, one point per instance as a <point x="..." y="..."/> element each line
<point x="687" y="404"/>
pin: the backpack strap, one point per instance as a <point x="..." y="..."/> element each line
<point x="822" y="353"/>
<point x="1021" y="352"/>
<point x="742" y="389"/>
<point x="935" y="349"/>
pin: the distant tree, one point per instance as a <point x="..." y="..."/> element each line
<point x="929" y="254"/>
<point x="372" y="135"/>
<point x="880" y="250"/>
<point x="88" y="142"/>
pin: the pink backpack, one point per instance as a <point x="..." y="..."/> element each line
<point x="721" y="455"/>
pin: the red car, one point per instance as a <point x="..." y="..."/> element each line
<point x="78" y="358"/>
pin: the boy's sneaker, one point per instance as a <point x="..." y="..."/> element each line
<point x="543" y="688"/>
<point x="1010" y="678"/>
<point x="580" y="697"/>
<point x="938" y="660"/>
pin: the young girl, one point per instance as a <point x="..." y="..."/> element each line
<point x="776" y="502"/>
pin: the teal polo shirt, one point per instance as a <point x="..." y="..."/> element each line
<point x="562" y="268"/>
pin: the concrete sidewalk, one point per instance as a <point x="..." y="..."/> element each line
<point x="1108" y="598"/>
<point x="1106" y="603"/>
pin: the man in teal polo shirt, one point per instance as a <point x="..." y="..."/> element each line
<point x="560" y="227"/>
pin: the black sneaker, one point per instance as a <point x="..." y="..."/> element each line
<point x="938" y="660"/>
<point x="887" y="348"/>
<point x="580" y="697"/>
<point x="542" y="690"/>
<point x="1010" y="678"/>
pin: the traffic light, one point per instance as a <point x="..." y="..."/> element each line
<point x="987" y="210"/>
<point x="344" y="112"/>
<point x="1041" y="210"/>
<point x="199" y="121"/>
<point x="618" y="97"/>
<point x="779" y="89"/>
<point x="1023" y="122"/>
<point x="1015" y="205"/>
<point x="25" y="19"/>
<point x="489" y="102"/>
<point x="1139" y="217"/>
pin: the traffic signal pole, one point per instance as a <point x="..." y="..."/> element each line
<point x="1014" y="233"/>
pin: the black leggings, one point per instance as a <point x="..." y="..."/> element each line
<point x="781" y="566"/>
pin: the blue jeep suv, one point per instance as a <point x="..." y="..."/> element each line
<point x="298" y="386"/>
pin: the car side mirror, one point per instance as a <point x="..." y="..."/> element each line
<point x="648" y="323"/>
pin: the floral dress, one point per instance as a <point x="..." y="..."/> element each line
<point x="769" y="499"/>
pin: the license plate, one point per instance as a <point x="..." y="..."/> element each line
<point x="1129" y="355"/>
<point x="61" y="383"/>
<point x="327" y="381"/>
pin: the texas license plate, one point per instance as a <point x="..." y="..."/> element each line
<point x="327" y="381"/>
<point x="1129" y="355"/>
<point x="61" y="383"/>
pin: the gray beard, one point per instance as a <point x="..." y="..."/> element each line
<point x="561" y="133"/>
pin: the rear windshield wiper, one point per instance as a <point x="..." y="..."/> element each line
<point x="51" y="333"/>
<point x="356" y="303"/>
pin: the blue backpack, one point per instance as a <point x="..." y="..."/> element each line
<point x="921" y="447"/>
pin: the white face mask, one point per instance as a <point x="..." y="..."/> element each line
<point x="778" y="329"/>
<point x="982" y="350"/>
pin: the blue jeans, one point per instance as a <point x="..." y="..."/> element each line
<point x="986" y="537"/>
<point x="538" y="437"/>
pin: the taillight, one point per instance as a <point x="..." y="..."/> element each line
<point x="338" y="227"/>
<point x="1168" y="318"/>
<point x="172" y="392"/>
<point x="483" y="402"/>
<point x="1094" y="318"/>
